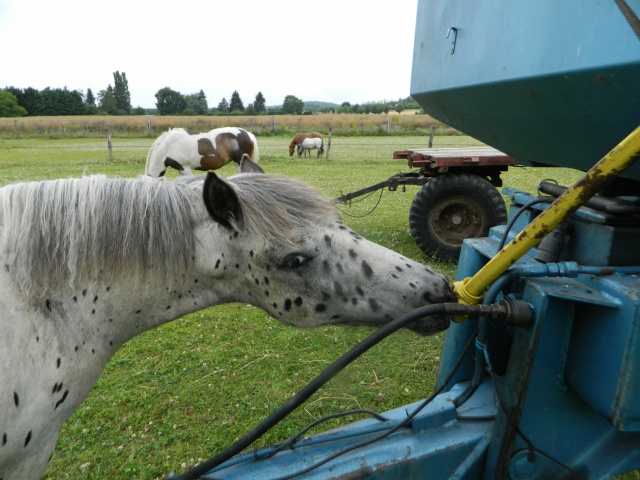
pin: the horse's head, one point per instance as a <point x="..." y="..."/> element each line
<point x="282" y="247"/>
<point x="292" y="148"/>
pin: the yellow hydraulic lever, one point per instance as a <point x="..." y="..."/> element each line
<point x="470" y="291"/>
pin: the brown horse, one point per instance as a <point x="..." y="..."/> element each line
<point x="299" y="137"/>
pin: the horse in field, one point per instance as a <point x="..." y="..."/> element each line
<point x="299" y="137"/>
<point x="90" y="262"/>
<point x="309" y="144"/>
<point x="184" y="149"/>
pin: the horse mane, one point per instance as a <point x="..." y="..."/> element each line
<point x="94" y="228"/>
<point x="279" y="209"/>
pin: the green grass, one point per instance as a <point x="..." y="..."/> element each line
<point x="183" y="392"/>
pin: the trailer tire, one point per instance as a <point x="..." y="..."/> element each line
<point x="450" y="208"/>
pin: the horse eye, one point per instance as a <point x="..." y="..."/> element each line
<point x="295" y="260"/>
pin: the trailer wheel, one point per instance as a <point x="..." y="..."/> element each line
<point x="450" y="208"/>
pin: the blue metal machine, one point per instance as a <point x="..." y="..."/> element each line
<point x="553" y="83"/>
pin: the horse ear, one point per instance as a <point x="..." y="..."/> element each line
<point x="221" y="201"/>
<point x="249" y="166"/>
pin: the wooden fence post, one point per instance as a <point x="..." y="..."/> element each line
<point x="148" y="127"/>
<point x="328" y="142"/>
<point x="273" y="124"/>
<point x="15" y="127"/>
<point x="431" y="133"/>
<point x="109" y="147"/>
<point x="389" y="125"/>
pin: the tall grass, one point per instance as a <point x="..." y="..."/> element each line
<point x="341" y="124"/>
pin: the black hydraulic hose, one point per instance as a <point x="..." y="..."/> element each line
<point x="448" y="309"/>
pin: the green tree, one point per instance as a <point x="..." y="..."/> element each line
<point x="197" y="102"/>
<point x="170" y="102"/>
<point x="121" y="93"/>
<point x="223" y="106"/>
<point x="9" y="105"/>
<point x="259" y="104"/>
<point x="107" y="101"/>
<point x="250" y="110"/>
<point x="292" y="105"/>
<point x="235" y="104"/>
<point x="89" y="98"/>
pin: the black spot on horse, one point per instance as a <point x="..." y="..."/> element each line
<point x="339" y="267"/>
<point x="266" y="280"/>
<point x="298" y="301"/>
<point x="399" y="269"/>
<point x="287" y="304"/>
<point x="327" y="240"/>
<point x="168" y="307"/>
<point x="360" y="291"/>
<point x="237" y="265"/>
<point x="374" y="305"/>
<point x="95" y="299"/>
<point x="217" y="263"/>
<point x="75" y="299"/>
<point x="353" y="254"/>
<point x="28" y="439"/>
<point x="337" y="287"/>
<point x="58" y="362"/>
<point x="48" y="304"/>
<point x="412" y="285"/>
<point x="325" y="296"/>
<point x="366" y="269"/>
<point x="4" y="439"/>
<point x="325" y="266"/>
<point x="84" y="292"/>
<point x="16" y="399"/>
<point x="64" y="397"/>
<point x="320" y="307"/>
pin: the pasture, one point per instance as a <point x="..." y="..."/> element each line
<point x="181" y="393"/>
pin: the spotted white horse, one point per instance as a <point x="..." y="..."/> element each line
<point x="88" y="263"/>
<point x="187" y="150"/>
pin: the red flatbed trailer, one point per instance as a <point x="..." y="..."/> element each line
<point x="458" y="198"/>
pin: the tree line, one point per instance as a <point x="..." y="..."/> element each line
<point x="116" y="100"/>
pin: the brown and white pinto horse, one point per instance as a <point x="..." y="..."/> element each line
<point x="185" y="149"/>
<point x="299" y="138"/>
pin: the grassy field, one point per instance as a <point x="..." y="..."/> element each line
<point x="181" y="393"/>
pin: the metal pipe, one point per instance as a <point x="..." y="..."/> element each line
<point x="471" y="289"/>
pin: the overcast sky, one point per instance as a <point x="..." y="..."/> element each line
<point x="329" y="50"/>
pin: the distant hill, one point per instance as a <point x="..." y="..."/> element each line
<point x="311" y="105"/>
<point x="315" y="105"/>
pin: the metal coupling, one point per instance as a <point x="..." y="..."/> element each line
<point x="508" y="311"/>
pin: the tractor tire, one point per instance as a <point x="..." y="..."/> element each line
<point x="450" y="208"/>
